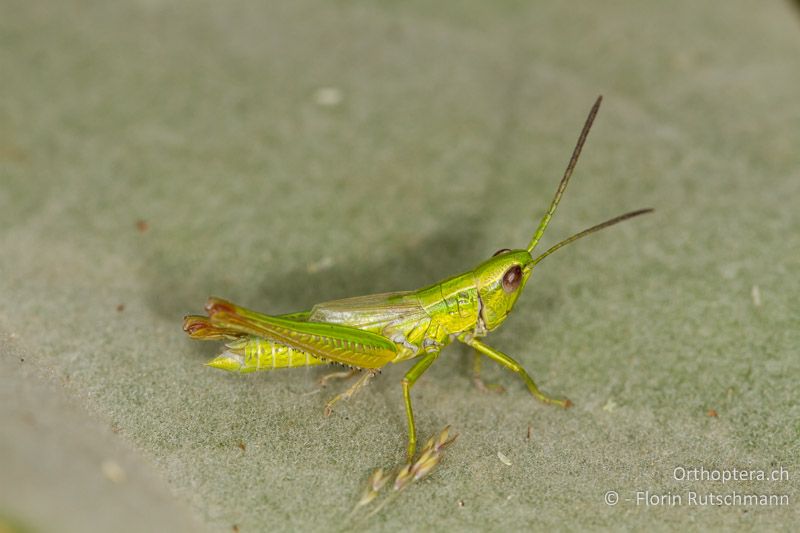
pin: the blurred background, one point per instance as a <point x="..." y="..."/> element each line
<point x="280" y="154"/>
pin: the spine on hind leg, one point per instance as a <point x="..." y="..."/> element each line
<point x="251" y="354"/>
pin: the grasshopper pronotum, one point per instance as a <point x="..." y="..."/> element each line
<point x="369" y="332"/>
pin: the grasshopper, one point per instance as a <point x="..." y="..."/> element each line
<point x="366" y="333"/>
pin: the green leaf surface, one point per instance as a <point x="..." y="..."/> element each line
<point x="287" y="153"/>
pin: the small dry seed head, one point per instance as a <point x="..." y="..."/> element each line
<point x="442" y="441"/>
<point x="425" y="456"/>
<point x="426" y="464"/>
<point x="430" y="456"/>
<point x="404" y="476"/>
<point x="376" y="482"/>
<point x="378" y="479"/>
<point x="367" y="497"/>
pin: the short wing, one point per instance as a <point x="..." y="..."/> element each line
<point x="373" y="312"/>
<point x="332" y="342"/>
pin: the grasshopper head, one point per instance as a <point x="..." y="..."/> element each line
<point x="500" y="281"/>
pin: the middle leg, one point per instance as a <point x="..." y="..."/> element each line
<point x="408" y="381"/>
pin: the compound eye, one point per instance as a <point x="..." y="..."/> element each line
<point x="501" y="251"/>
<point x="512" y="279"/>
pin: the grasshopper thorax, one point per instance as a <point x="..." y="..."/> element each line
<point x="500" y="281"/>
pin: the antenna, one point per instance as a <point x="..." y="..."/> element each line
<point x="586" y="232"/>
<point x="567" y="174"/>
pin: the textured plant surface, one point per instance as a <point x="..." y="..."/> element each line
<point x="153" y="153"/>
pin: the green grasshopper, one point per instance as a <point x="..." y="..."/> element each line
<point x="368" y="332"/>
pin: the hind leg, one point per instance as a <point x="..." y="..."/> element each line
<point x="346" y="395"/>
<point x="344" y="374"/>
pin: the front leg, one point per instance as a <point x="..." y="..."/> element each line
<point x="408" y="381"/>
<point x="512" y="365"/>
